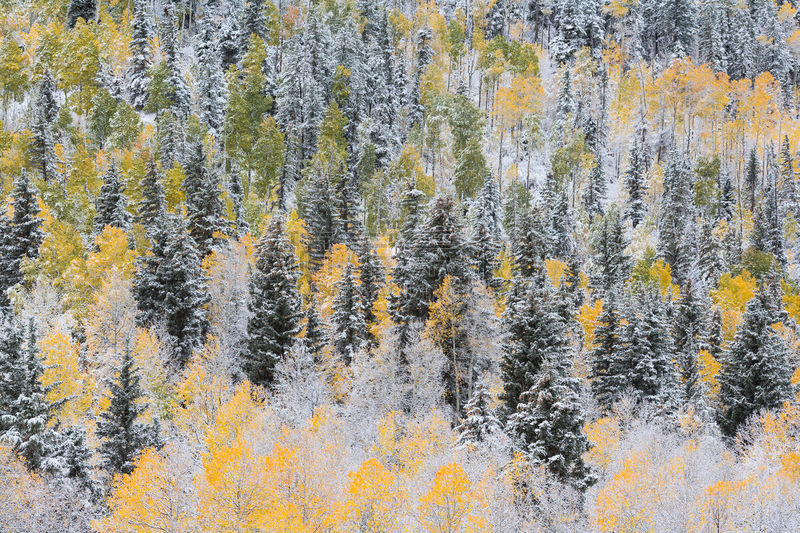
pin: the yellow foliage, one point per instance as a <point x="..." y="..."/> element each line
<point x="556" y="271"/>
<point x="732" y="297"/>
<point x="625" y="502"/>
<point x="375" y="501"/>
<point x="329" y="273"/>
<point x="233" y="417"/>
<point x="408" y="447"/>
<point x="604" y="435"/>
<point x="451" y="503"/>
<point x="709" y="370"/>
<point x="70" y="383"/>
<point x="297" y="235"/>
<point x="588" y="316"/>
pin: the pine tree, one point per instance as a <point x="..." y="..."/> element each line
<point x="485" y="242"/>
<point x="254" y="21"/>
<point x="21" y="235"/>
<point x="534" y="328"/>
<point x="13" y="367"/>
<point x="548" y="423"/>
<point x="315" y="337"/>
<point x="635" y="185"/>
<point x="788" y="186"/>
<point x="124" y="437"/>
<point x="607" y="382"/>
<point x="111" y="204"/>
<point x="177" y="92"/>
<point x="727" y="199"/>
<point x="755" y="373"/>
<point x="84" y="9"/>
<point x="711" y="262"/>
<point x="479" y="423"/>
<point x="152" y="208"/>
<point x="170" y="289"/>
<point x="531" y="242"/>
<point x="203" y="202"/>
<point x="594" y="194"/>
<point x="349" y="328"/>
<point x="45" y="113"/>
<point x="141" y="55"/>
<point x="275" y="305"/>
<point x="767" y="233"/>
<point x="610" y="264"/>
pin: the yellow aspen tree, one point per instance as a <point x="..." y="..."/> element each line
<point x="450" y="505"/>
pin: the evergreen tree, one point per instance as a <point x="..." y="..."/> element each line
<point x="371" y="278"/>
<point x="21" y="235"/>
<point x="767" y="233"/>
<point x="687" y="331"/>
<point x="479" y="423"/>
<point x="548" y="423"/>
<point x="111" y="204"/>
<point x="254" y="21"/>
<point x="711" y="262"/>
<point x="727" y="198"/>
<point x="755" y="372"/>
<point x="13" y="366"/>
<point x="594" y="194"/>
<point x="610" y="264"/>
<point x="84" y="9"/>
<point x="26" y="419"/>
<point x="788" y="187"/>
<point x="275" y="305"/>
<point x="152" y="208"/>
<point x="177" y="93"/>
<point x="635" y="185"/>
<point x="607" y="382"/>
<point x="123" y="436"/>
<point x="534" y="328"/>
<point x="203" y="202"/>
<point x="349" y="328"/>
<point x="170" y="289"/>
<point x="531" y="242"/>
<point x="45" y="113"/>
<point x="141" y="55"/>
<point x="485" y="242"/>
<point x="315" y="337"/>
<point x="213" y="93"/>
<point x="675" y="236"/>
<point x="751" y="177"/>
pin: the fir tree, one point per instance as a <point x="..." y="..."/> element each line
<point x="607" y="382"/>
<point x="534" y="328"/>
<point x="111" y="204"/>
<point x="177" y="92"/>
<point x="314" y="336"/>
<point x="727" y="199"/>
<point x="675" y="244"/>
<point x="610" y="264"/>
<point x="141" y="55"/>
<point x="635" y="185"/>
<point x="349" y="328"/>
<point x="203" y="202"/>
<point x="275" y="305"/>
<point x="485" y="242"/>
<point x="751" y="177"/>
<point x="21" y="235"/>
<point x="755" y="372"/>
<point x="212" y="88"/>
<point x="687" y="331"/>
<point x="371" y="278"/>
<point x="767" y="233"/>
<point x="711" y="262"/>
<point x="45" y="113"/>
<point x="170" y="289"/>
<point x="548" y="423"/>
<point x="531" y="242"/>
<point x="254" y="21"/>
<point x="788" y="186"/>
<point x="152" y="208"/>
<point x="594" y="194"/>
<point x="123" y="436"/>
<point x="81" y="9"/>
<point x="479" y="423"/>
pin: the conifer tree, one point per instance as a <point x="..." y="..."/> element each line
<point x="111" y="204"/>
<point x="170" y="289"/>
<point x="711" y="262"/>
<point x="84" y="9"/>
<point x="607" y="382"/>
<point x="548" y="423"/>
<point x="203" y="202"/>
<point x="152" y="208"/>
<point x="349" y="328"/>
<point x="213" y="94"/>
<point x="531" y="242"/>
<point x="315" y="337"/>
<point x="485" y="242"/>
<point x="594" y="194"/>
<point x="371" y="278"/>
<point x="788" y="186"/>
<point x="45" y="113"/>
<point x="751" y="177"/>
<point x="767" y="233"/>
<point x="755" y="373"/>
<point x="534" y="328"/>
<point x="675" y="238"/>
<point x="123" y="436"/>
<point x="727" y="199"/>
<point x="254" y="21"/>
<point x="610" y="264"/>
<point x="21" y="235"/>
<point x="634" y="185"/>
<point x="141" y="55"/>
<point x="687" y="329"/>
<point x="177" y="93"/>
<point x="479" y="423"/>
<point x="275" y="305"/>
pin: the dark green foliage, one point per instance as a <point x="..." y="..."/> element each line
<point x="349" y="328"/>
<point x="81" y="9"/>
<point x="111" y="204"/>
<point x="20" y="235"/>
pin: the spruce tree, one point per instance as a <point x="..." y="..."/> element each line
<point x="141" y="55"/>
<point x="84" y="9"/>
<point x="534" y="328"/>
<point x="485" y="242"/>
<point x="688" y="330"/>
<point x="45" y="113"/>
<point x="152" y="208"/>
<point x="203" y="202"/>
<point x="371" y="278"/>
<point x="21" y="235"/>
<point x="788" y="185"/>
<point x="610" y="264"/>
<point x="675" y="244"/>
<point x="635" y="185"/>
<point x="349" y="328"/>
<point x="111" y="204"/>
<point x="767" y="233"/>
<point x="607" y="382"/>
<point x="531" y="243"/>
<point x="254" y="21"/>
<point x="212" y="88"/>
<point x="123" y="436"/>
<point x="755" y="372"/>
<point x="596" y="189"/>
<point x="727" y="198"/>
<point x="315" y="337"/>
<point x="170" y="290"/>
<point x="548" y="423"/>
<point x="751" y="176"/>
<point x="711" y="262"/>
<point x="275" y="305"/>
<point x="479" y="423"/>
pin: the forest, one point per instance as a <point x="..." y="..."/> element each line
<point x="387" y="266"/>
